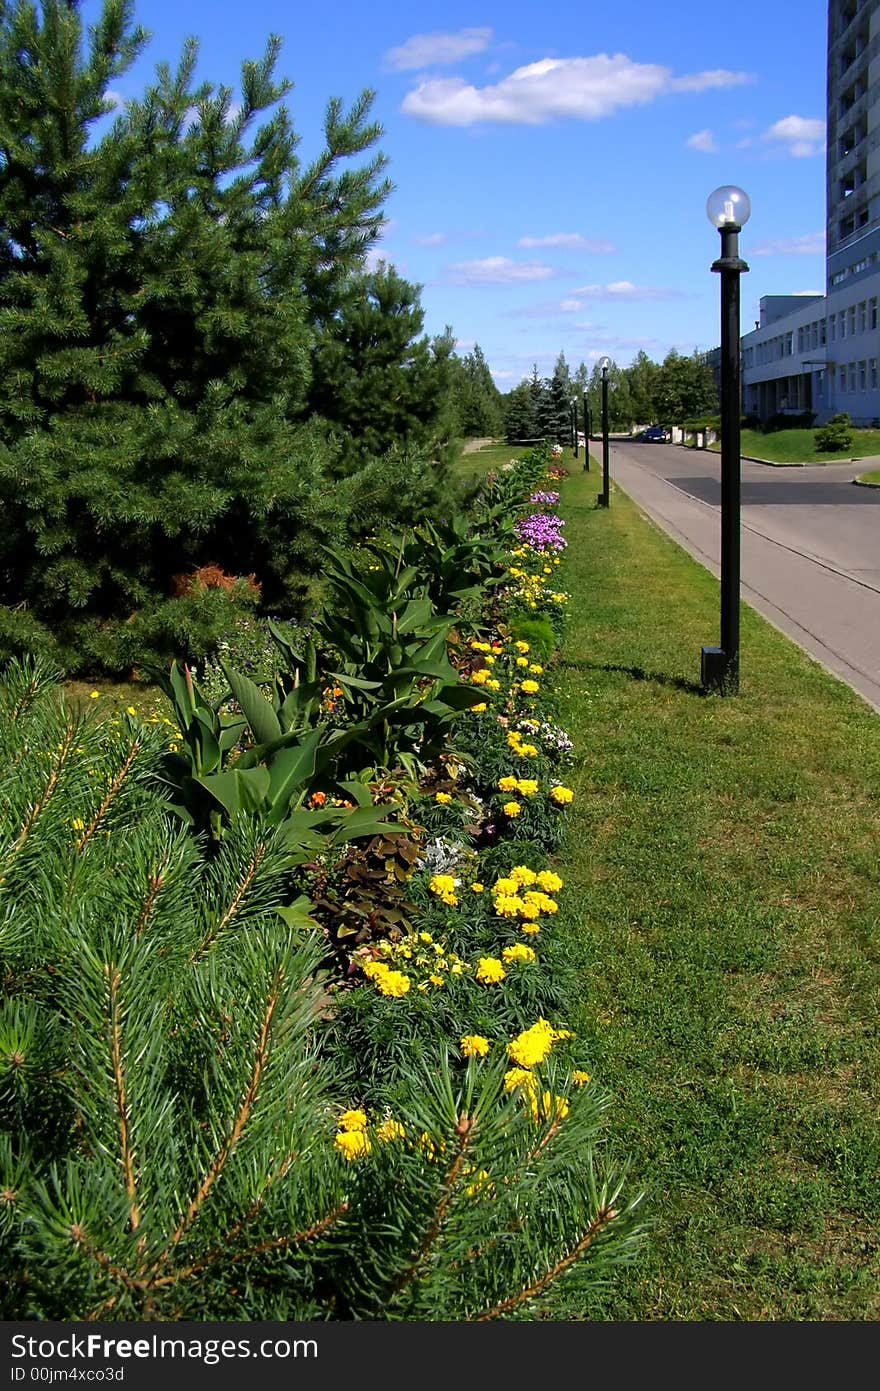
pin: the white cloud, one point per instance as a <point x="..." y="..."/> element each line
<point x="810" y="244"/>
<point x="584" y="89"/>
<point x="432" y="239"/>
<point x="703" y="140"/>
<point x="801" y="135"/>
<point x="433" y="50"/>
<point x="626" y="290"/>
<point x="499" y="270"/>
<point x="115" y="98"/>
<point x="572" y="239"/>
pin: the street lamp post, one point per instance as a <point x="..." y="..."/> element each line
<point x="728" y="209"/>
<point x="604" y="367"/>
<point x="587" y="433"/>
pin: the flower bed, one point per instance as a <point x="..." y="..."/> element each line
<point x="306" y="1055"/>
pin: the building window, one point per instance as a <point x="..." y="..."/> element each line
<point x="863" y="317"/>
<point x="841" y="379"/>
<point x="873" y="369"/>
<point x="852" y="376"/>
<point x="822" y="332"/>
<point x="841" y="323"/>
<point x="872" y="312"/>
<point x="851" y="320"/>
<point x="832" y="327"/>
<point x="863" y="376"/>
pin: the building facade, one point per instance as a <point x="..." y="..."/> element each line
<point x="822" y="353"/>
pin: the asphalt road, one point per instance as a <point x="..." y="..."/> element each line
<point x="810" y="558"/>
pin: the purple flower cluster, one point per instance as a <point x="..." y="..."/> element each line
<point x="545" y="499"/>
<point x="542" y="532"/>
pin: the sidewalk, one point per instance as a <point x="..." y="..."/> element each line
<point x="833" y="616"/>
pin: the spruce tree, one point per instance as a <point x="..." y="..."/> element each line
<point x="162" y="284"/>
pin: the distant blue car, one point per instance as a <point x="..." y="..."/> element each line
<point x="655" y="434"/>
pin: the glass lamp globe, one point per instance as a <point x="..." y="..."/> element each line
<point x="604" y="364"/>
<point x="728" y="206"/>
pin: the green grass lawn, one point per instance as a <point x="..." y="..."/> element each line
<point x="871" y="477"/>
<point x="722" y="904"/>
<point x="798" y="446"/>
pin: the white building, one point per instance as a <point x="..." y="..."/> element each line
<point x="821" y="353"/>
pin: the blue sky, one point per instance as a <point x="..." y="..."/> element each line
<point x="551" y="163"/>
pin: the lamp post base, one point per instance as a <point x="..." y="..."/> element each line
<point x="717" y="672"/>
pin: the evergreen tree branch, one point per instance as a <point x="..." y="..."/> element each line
<point x="464" y="1129"/>
<point x="122" y="1109"/>
<point x="604" y="1217"/>
<point x="58" y="764"/>
<point x="274" y="1243"/>
<point x="112" y="792"/>
<point x="241" y="890"/>
<point x="216" y="1167"/>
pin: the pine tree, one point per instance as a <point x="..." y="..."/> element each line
<point x="519" y="417"/>
<point x="558" y="406"/>
<point x="162" y="283"/>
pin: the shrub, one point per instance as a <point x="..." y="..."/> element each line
<point x="836" y="434"/>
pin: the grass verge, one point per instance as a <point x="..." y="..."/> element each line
<point x="872" y="477"/>
<point x="799" y="447"/>
<point x="721" y="906"/>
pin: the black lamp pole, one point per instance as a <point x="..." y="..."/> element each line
<point x="604" y="498"/>
<point x="574" y="427"/>
<point x="587" y="433"/>
<point x="720" y="665"/>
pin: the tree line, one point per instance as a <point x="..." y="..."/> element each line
<point x="677" y="389"/>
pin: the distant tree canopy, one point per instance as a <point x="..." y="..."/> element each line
<point x="195" y="364"/>
<point x="645" y="393"/>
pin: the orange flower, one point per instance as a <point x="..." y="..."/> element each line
<point x="317" y="799"/>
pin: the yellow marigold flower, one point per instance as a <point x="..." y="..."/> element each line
<point x="522" y="875"/>
<point x="518" y="1077"/>
<point x="529" y="928"/>
<point x="480" y="678"/>
<point x="532" y="1045"/>
<point x="130" y="710"/>
<point x="527" y="751"/>
<point x="478" y="646"/>
<point x="442" y="798"/>
<point x="508" y="905"/>
<point x="536" y="669"/>
<point x="353" y="1120"/>
<point x="93" y="695"/>
<point x="519" y="952"/>
<point x="511" y="809"/>
<point x="478" y="709"/>
<point x="561" y="795"/>
<point x="579" y="1078"/>
<point x="490" y="970"/>
<point x="477" y="888"/>
<point x="443" y="885"/>
<point x="507" y="885"/>
<point x="529" y="687"/>
<point x="474" y="1045"/>
<point x="522" y="647"/>
<point x="352" y="1144"/>
<point x="529" y="910"/>
<point x="388" y="1130"/>
<point x="490" y="661"/>
<point x="426" y="938"/>
<point x="527" y="787"/>
<point x="393" y="983"/>
<point x="436" y="980"/>
<point x="514" y="737"/>
<point x="549" y="882"/>
<point x="522" y="661"/>
<point x="507" y="784"/>
<point x="494" y="685"/>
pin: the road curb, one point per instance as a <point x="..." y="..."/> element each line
<point x="863" y="483"/>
